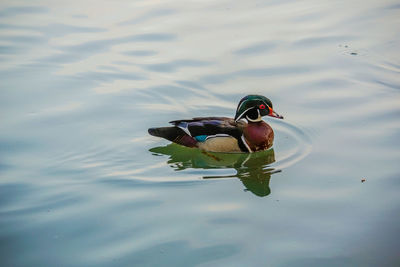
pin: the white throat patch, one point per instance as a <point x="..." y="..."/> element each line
<point x="256" y="120"/>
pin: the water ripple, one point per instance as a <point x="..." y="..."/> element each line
<point x="256" y="49"/>
<point x="176" y="64"/>
<point x="318" y="41"/>
<point x="23" y="10"/>
<point x="140" y="53"/>
<point x="148" y="16"/>
<point x="292" y="144"/>
<point x="78" y="52"/>
<point x="257" y="72"/>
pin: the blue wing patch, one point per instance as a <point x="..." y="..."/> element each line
<point x="201" y="138"/>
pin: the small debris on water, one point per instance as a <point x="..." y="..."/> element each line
<point x="353" y="54"/>
<point x="362" y="180"/>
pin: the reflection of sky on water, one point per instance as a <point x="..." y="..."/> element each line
<point x="82" y="82"/>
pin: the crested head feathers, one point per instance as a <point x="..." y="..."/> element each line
<point x="252" y="105"/>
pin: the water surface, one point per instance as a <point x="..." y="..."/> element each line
<point x="83" y="184"/>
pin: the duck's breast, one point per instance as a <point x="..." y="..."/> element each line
<point x="259" y="136"/>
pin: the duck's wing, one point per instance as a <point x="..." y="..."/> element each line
<point x="203" y="127"/>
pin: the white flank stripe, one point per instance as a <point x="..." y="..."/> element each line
<point x="217" y="135"/>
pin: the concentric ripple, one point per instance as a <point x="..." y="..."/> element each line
<point x="292" y="144"/>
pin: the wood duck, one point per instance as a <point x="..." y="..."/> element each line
<point x="247" y="132"/>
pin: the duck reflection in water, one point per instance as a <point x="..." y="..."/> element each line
<point x="251" y="168"/>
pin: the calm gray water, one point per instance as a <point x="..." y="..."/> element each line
<point x="83" y="184"/>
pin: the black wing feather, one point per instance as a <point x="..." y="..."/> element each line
<point x="210" y="126"/>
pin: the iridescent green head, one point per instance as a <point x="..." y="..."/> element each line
<point x="253" y="107"/>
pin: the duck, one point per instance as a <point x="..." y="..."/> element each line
<point x="247" y="132"/>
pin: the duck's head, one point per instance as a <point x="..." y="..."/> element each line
<point x="253" y="107"/>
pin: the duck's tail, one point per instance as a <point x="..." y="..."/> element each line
<point x="169" y="133"/>
<point x="174" y="134"/>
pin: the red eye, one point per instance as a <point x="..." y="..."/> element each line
<point x="262" y="106"/>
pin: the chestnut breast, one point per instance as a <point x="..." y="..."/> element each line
<point x="259" y="135"/>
